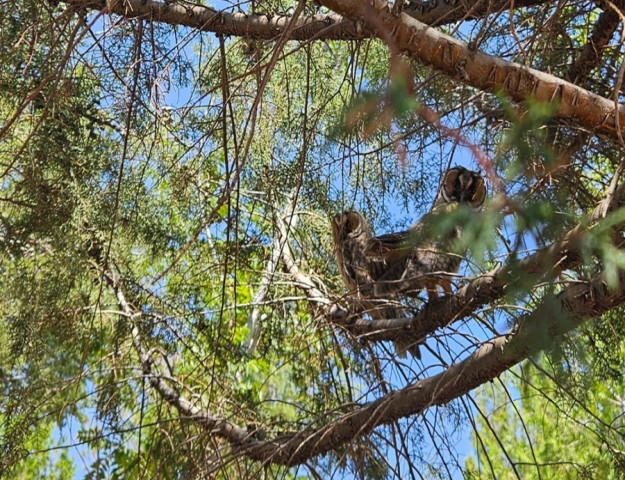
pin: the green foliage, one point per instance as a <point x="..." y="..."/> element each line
<point x="40" y="459"/>
<point x="162" y="155"/>
<point x="534" y="423"/>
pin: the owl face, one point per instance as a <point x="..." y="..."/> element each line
<point x="461" y="185"/>
<point x="349" y="224"/>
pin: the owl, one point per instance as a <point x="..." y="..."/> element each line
<point x="414" y="260"/>
<point x="404" y="263"/>
<point x="351" y="236"/>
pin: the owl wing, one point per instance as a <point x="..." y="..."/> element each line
<point x="390" y="261"/>
<point x="393" y="248"/>
<point x="359" y="268"/>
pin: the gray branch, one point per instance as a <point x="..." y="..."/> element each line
<point x="216" y="425"/>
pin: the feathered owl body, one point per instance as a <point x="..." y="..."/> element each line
<point x="407" y="262"/>
<point x="413" y="260"/>
<point x="352" y="237"/>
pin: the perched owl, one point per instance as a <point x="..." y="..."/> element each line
<point x="351" y="238"/>
<point x="381" y="268"/>
<point x="413" y="260"/>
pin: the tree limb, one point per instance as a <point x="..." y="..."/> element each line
<point x="485" y="289"/>
<point x="268" y="27"/>
<point x="485" y="72"/>
<point x="329" y="307"/>
<point x="591" y="53"/>
<point x="216" y="425"/>
<point x="536" y="331"/>
<point x="410" y="33"/>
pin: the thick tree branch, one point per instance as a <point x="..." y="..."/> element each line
<point x="267" y="27"/>
<point x="409" y="32"/>
<point x="591" y="53"/>
<point x="485" y="72"/>
<point x="536" y="331"/>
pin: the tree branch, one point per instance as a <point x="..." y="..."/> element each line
<point x="485" y="72"/>
<point x="536" y="331"/>
<point x="410" y="33"/>
<point x="329" y="307"/>
<point x="562" y="255"/>
<point x="591" y="53"/>
<point x="267" y="27"/>
<point x="218" y="426"/>
<point x="254" y="320"/>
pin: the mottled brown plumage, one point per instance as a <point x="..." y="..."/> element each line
<point x="413" y="260"/>
<point x="378" y="269"/>
<point x="359" y="272"/>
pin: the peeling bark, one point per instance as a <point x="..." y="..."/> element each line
<point x="267" y="27"/>
<point x="410" y="33"/>
<point x="485" y="72"/>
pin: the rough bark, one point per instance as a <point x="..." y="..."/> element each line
<point x="536" y="331"/>
<point x="485" y="72"/>
<point x="487" y="288"/>
<point x="409" y="32"/>
<point x="266" y="27"/>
